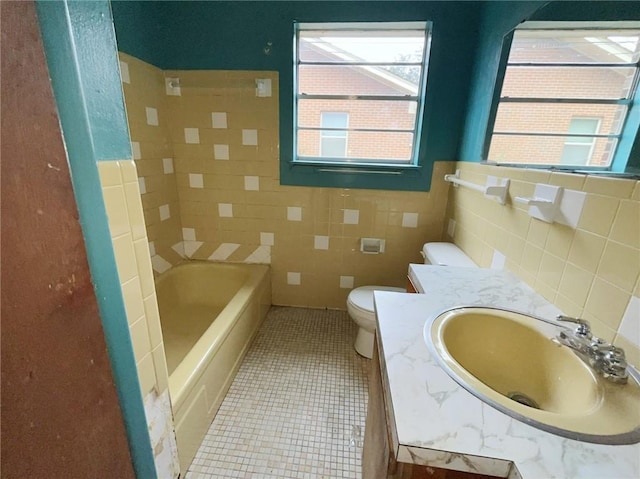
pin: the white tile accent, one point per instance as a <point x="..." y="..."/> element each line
<point x="263" y="87"/>
<point x="152" y="116"/>
<point x="630" y="325"/>
<point x="225" y="210"/>
<point x="346" y="282"/>
<point x="191" y="135"/>
<point x="172" y="90"/>
<point x="221" y="152"/>
<point x="196" y="180"/>
<point x="571" y="207"/>
<point x="179" y="248"/>
<point x="293" y="278"/>
<point x="165" y="213"/>
<point x="409" y="220"/>
<point x="135" y="149"/>
<point x="250" y="137"/>
<point x="267" y="239"/>
<point x="189" y="234"/>
<point x="498" y="261"/>
<point x="224" y="251"/>
<point x="152" y="248"/>
<point x="159" y="264"/>
<point x="142" y="185"/>
<point x="190" y="247"/>
<point x="167" y="165"/>
<point x="351" y="217"/>
<point x="262" y="255"/>
<point x="251" y="183"/>
<point x="219" y="119"/>
<point x="124" y="72"/>
<point x="294" y="213"/>
<point x="321" y="242"/>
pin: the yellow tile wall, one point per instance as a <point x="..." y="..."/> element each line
<point x="145" y="91"/>
<point x="591" y="271"/>
<point x="126" y="223"/>
<point x="218" y="174"/>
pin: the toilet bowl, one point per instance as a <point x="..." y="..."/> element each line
<point x="361" y="310"/>
<point x="360" y="301"/>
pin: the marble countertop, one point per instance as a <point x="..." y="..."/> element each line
<point x="441" y="424"/>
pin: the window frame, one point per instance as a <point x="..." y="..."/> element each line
<point x="397" y="176"/>
<point x="629" y="128"/>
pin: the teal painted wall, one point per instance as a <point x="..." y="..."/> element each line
<point x="499" y="19"/>
<point x="94" y="39"/>
<point x="232" y="35"/>
<point x="72" y="32"/>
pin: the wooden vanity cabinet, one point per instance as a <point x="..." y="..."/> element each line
<point x="410" y="286"/>
<point x="379" y="454"/>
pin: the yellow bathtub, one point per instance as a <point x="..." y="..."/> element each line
<point x="209" y="313"/>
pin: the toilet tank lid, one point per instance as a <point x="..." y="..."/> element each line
<point x="447" y="254"/>
<point x="362" y="297"/>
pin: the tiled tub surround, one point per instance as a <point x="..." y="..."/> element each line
<point x="121" y="194"/>
<point x="439" y="423"/>
<point x="147" y="113"/>
<point x="297" y="406"/>
<point x="223" y="141"/>
<point x="233" y="300"/>
<point x="591" y="271"/>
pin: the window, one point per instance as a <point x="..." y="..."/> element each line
<point x="333" y="142"/>
<point x="578" y="149"/>
<point x="566" y="96"/>
<point x="359" y="93"/>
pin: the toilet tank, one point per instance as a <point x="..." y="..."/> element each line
<point x="446" y="254"/>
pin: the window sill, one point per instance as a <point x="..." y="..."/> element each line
<point x="355" y="175"/>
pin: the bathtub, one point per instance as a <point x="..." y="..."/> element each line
<point x="209" y="314"/>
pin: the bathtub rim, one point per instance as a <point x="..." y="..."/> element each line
<point x="195" y="361"/>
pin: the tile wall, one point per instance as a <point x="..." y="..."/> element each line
<point x="121" y="194"/>
<point x="144" y="90"/>
<point x="224" y="142"/>
<point x="590" y="271"/>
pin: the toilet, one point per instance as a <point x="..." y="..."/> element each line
<point x="360" y="300"/>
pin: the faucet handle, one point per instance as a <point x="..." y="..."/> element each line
<point x="583" y="329"/>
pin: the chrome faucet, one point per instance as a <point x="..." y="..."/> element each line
<point x="605" y="358"/>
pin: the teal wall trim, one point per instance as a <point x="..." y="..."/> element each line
<point x="60" y="34"/>
<point x="499" y="19"/>
<point x="233" y="36"/>
<point x="95" y="43"/>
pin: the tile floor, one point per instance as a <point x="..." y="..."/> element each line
<point x="297" y="406"/>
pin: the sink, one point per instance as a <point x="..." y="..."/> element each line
<point x="510" y="361"/>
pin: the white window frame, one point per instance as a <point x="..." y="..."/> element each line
<point x="419" y="98"/>
<point x="628" y="101"/>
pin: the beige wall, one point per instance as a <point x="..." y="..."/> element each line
<point x="592" y="271"/>
<point x="233" y="208"/>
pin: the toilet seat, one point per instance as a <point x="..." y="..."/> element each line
<point x="361" y="299"/>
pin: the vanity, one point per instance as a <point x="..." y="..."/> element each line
<point x="423" y="424"/>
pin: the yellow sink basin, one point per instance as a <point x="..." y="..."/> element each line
<point x="509" y="360"/>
